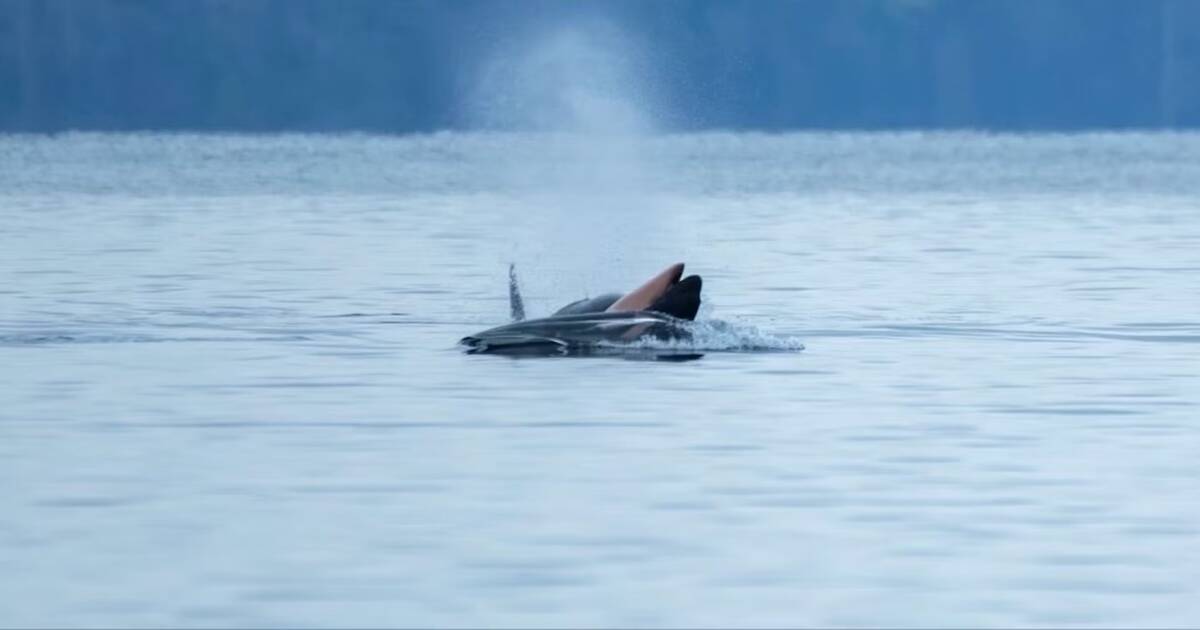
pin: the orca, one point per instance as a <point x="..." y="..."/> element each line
<point x="659" y="309"/>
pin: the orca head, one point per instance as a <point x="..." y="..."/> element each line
<point x="668" y="293"/>
<point x="682" y="300"/>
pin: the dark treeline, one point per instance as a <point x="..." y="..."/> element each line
<point x="402" y="66"/>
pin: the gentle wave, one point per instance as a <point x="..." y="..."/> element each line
<point x="50" y="339"/>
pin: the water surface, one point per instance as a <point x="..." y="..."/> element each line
<point x="231" y="394"/>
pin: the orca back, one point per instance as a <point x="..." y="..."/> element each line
<point x="598" y="304"/>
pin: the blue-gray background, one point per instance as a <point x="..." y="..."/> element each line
<point x="410" y="66"/>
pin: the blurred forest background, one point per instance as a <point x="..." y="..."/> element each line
<point x="410" y="66"/>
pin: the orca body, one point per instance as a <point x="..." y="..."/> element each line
<point x="659" y="309"/>
<point x="579" y="333"/>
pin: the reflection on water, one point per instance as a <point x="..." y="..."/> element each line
<point x="232" y="396"/>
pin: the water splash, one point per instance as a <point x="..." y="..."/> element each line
<point x="716" y="335"/>
<point x="582" y="78"/>
<point x="583" y="181"/>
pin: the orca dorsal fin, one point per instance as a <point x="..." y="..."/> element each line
<point x="516" y="306"/>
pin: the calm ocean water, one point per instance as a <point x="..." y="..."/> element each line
<point x="230" y="393"/>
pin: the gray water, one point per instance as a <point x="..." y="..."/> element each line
<point x="231" y="392"/>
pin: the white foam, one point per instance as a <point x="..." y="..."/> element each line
<point x="716" y="335"/>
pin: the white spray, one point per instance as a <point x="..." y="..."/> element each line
<point x="572" y="107"/>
